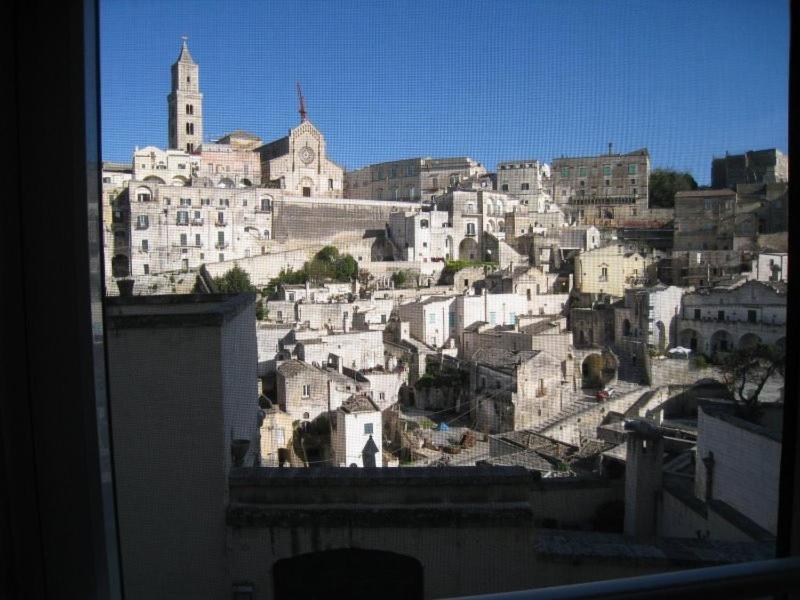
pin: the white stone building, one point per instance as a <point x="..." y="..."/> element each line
<point x="650" y="316"/>
<point x="298" y="164"/>
<point x="432" y="321"/>
<point x="180" y="228"/>
<point x="422" y="235"/>
<point x="165" y="167"/>
<point x="736" y="316"/>
<point x="613" y="269"/>
<point x="528" y="180"/>
<point x="357" y="438"/>
<point x="411" y="179"/>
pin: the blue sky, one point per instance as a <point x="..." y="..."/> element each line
<point x="494" y="80"/>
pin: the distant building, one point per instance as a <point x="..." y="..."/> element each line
<point x="410" y="179"/>
<point x="740" y="315"/>
<point x="754" y="166"/>
<point x="515" y="390"/>
<point x="605" y="189"/>
<point x="528" y="180"/>
<point x="185" y="104"/>
<point x="299" y="165"/>
<point x="306" y="391"/>
<point x="357" y="436"/>
<point x="649" y="316"/>
<point x="613" y="269"/>
<point x="230" y="161"/>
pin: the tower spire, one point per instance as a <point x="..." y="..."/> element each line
<point x="302" y="100"/>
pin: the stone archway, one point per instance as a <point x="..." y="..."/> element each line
<point x="689" y="338"/>
<point x="599" y="369"/>
<point x="468" y="249"/>
<point x="749" y="340"/>
<point x="353" y="573"/>
<point x="721" y="341"/>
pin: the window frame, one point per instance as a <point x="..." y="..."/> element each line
<point x="47" y="547"/>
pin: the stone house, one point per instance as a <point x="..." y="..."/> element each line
<point x="722" y="318"/>
<point x="613" y="269"/>
<point x="514" y="390"/>
<point x="357" y="437"/>
<point x="649" y="316"/>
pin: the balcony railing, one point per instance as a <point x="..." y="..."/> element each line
<point x="197" y="221"/>
<point x="181" y="222"/>
<point x="219" y="223"/>
<point x="262" y="210"/>
<point x="221" y="245"/>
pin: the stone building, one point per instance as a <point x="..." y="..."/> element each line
<point x="230" y="161"/>
<point x="605" y="189"/>
<point x="729" y="219"/>
<point x="649" y="316"/>
<point x="546" y="292"/>
<point x="514" y="390"/>
<point x="172" y="167"/>
<point x="613" y="269"/>
<point x="411" y="179"/>
<point x="185" y="104"/>
<point x="116" y="216"/>
<point x="743" y="314"/>
<point x="182" y="370"/>
<point x="422" y="235"/>
<point x="305" y="391"/>
<point x="528" y="180"/>
<point x="276" y="435"/>
<point x="432" y="321"/>
<point x="298" y="164"/>
<point x="754" y="166"/>
<point x="357" y="437"/>
<point x="180" y="228"/>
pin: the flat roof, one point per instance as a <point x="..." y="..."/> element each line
<point x="174" y="310"/>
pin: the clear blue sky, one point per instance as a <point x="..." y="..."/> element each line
<point x="493" y="80"/>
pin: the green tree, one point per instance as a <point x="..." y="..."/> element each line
<point x="346" y="268"/>
<point x="233" y="281"/>
<point x="261" y="312"/>
<point x="664" y="183"/>
<point x="746" y="371"/>
<point x="399" y="278"/>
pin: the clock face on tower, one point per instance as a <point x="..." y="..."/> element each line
<point x="306" y="154"/>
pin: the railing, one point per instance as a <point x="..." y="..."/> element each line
<point x="219" y="223"/>
<point x="221" y="245"/>
<point x="263" y="210"/>
<point x="757" y="579"/>
<point x="182" y="223"/>
<point x="197" y="221"/>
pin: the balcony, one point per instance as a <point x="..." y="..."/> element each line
<point x="470" y="234"/>
<point x="221" y="245"/>
<point x="219" y="223"/>
<point x="197" y="221"/>
<point x="182" y="223"/>
<point x="263" y="211"/>
<point x="141" y="226"/>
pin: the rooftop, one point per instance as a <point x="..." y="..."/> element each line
<point x="174" y="310"/>
<point x="359" y="403"/>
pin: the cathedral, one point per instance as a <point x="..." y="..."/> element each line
<point x="297" y="164"/>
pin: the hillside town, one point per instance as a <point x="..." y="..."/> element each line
<point x="550" y="315"/>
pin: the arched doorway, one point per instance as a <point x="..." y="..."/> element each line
<point x="468" y="249"/>
<point x="689" y="338"/>
<point x="599" y="369"/>
<point x="352" y="573"/>
<point x="721" y="342"/>
<point x="749" y="340"/>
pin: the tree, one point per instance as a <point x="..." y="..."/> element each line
<point x="746" y="372"/>
<point x="233" y="281"/>
<point x="261" y="312"/>
<point x="663" y="185"/>
<point x="399" y="278"/>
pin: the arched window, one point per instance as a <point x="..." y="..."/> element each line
<point x="266" y="234"/>
<point x="189" y="109"/>
<point x="190" y="128"/>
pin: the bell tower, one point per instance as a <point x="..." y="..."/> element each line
<point x="185" y="103"/>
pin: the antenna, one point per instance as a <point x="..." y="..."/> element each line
<point x="302" y="101"/>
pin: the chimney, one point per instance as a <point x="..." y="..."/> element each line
<point x="125" y="287"/>
<point x="643" y="478"/>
